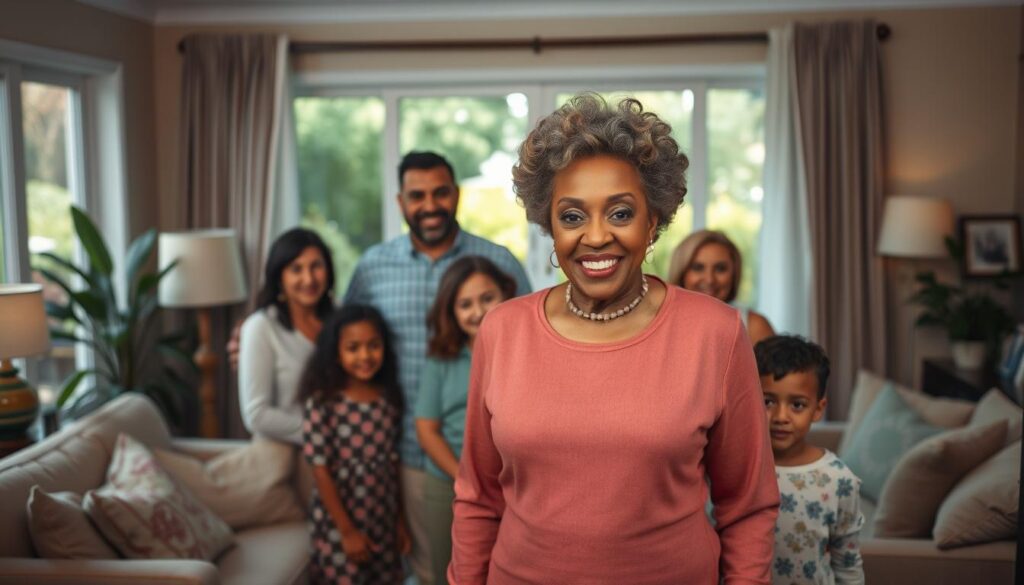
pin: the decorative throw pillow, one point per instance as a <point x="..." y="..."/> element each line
<point x="983" y="506"/>
<point x="247" y="486"/>
<point x="924" y="476"/>
<point x="995" y="405"/>
<point x="60" y="529"/>
<point x="145" y="515"/>
<point x="890" y="428"/>
<point x="947" y="413"/>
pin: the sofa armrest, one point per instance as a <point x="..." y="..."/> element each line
<point x="897" y="561"/>
<point x="827" y="434"/>
<point x="15" y="571"/>
<point x="205" y="449"/>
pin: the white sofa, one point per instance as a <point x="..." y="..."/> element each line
<point x="899" y="561"/>
<point x="76" y="459"/>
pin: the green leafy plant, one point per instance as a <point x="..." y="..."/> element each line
<point x="129" y="357"/>
<point x="965" y="314"/>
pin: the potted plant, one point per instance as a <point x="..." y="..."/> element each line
<point x="129" y="356"/>
<point x="974" y="321"/>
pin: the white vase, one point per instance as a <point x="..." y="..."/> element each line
<point x="968" y="355"/>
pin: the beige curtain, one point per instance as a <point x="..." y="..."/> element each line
<point x="839" y="94"/>
<point x="232" y="92"/>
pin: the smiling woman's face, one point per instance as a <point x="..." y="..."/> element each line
<point x="711" y="272"/>
<point x="601" y="227"/>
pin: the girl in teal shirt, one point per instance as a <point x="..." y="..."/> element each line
<point x="470" y="288"/>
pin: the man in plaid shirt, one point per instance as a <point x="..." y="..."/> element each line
<point x="400" y="277"/>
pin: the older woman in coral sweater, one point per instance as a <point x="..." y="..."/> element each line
<point x="596" y="407"/>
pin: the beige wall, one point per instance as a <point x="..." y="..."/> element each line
<point x="70" y="26"/>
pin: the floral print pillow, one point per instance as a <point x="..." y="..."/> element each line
<point x="146" y="515"/>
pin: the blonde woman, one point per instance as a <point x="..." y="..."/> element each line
<point x="707" y="261"/>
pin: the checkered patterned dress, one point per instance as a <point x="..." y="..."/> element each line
<point x="357" y="442"/>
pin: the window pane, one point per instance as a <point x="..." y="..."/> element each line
<point x="675" y="108"/>
<point x="480" y="136"/>
<point x="45" y="111"/>
<point x="339" y="150"/>
<point x="735" y="163"/>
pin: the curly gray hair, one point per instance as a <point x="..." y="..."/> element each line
<point x="586" y="126"/>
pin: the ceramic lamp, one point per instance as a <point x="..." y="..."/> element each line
<point x="208" y="273"/>
<point x="23" y="332"/>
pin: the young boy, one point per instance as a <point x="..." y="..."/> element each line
<point x="816" y="535"/>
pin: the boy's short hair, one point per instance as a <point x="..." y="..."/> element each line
<point x="781" y="355"/>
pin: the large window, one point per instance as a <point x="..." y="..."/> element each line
<point x="49" y="127"/>
<point x="48" y="114"/>
<point x="350" y="146"/>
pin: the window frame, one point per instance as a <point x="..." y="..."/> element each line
<point x="97" y="169"/>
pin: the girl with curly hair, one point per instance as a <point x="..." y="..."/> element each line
<point x="597" y="407"/>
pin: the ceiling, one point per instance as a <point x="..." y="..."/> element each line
<point x="197" y="12"/>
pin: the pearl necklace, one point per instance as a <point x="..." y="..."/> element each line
<point x="605" y="316"/>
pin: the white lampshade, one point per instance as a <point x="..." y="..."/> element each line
<point x="915" y="227"/>
<point x="209" y="270"/>
<point x="23" y="328"/>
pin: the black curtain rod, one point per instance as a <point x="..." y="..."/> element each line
<point x="536" y="44"/>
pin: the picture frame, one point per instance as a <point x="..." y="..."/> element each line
<point x="991" y="245"/>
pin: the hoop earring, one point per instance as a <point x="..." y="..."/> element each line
<point x="551" y="260"/>
<point x="649" y="255"/>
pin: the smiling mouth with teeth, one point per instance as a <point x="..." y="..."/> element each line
<point x="599" y="264"/>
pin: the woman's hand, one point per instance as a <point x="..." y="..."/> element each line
<point x="428" y="431"/>
<point x="404" y="542"/>
<point x="234" y="346"/>
<point x="358" y="546"/>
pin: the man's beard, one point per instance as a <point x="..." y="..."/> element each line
<point x="435" y="235"/>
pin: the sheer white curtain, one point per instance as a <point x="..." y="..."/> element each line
<point x="287" y="206"/>
<point x="784" y="291"/>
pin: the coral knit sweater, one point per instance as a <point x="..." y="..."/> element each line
<point x="585" y="463"/>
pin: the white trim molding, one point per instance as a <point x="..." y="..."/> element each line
<point x="319" y="83"/>
<point x="282" y="12"/>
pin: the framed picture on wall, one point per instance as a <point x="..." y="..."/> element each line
<point x="992" y="245"/>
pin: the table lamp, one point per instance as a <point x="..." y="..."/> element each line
<point x="915" y="227"/>
<point x="209" y="273"/>
<point x="24" y="332"/>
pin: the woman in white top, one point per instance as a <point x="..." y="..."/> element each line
<point x="277" y="339"/>
<point x="707" y="261"/>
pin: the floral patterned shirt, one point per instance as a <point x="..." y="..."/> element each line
<point x="817" y="532"/>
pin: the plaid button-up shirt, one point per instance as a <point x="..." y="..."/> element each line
<point x="401" y="283"/>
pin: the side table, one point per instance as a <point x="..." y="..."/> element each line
<point x="940" y="377"/>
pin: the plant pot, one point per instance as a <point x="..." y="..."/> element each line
<point x="968" y="355"/>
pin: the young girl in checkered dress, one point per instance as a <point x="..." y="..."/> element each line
<point x="351" y="420"/>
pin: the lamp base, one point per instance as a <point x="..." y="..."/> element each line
<point x="206" y="361"/>
<point x="19" y="405"/>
